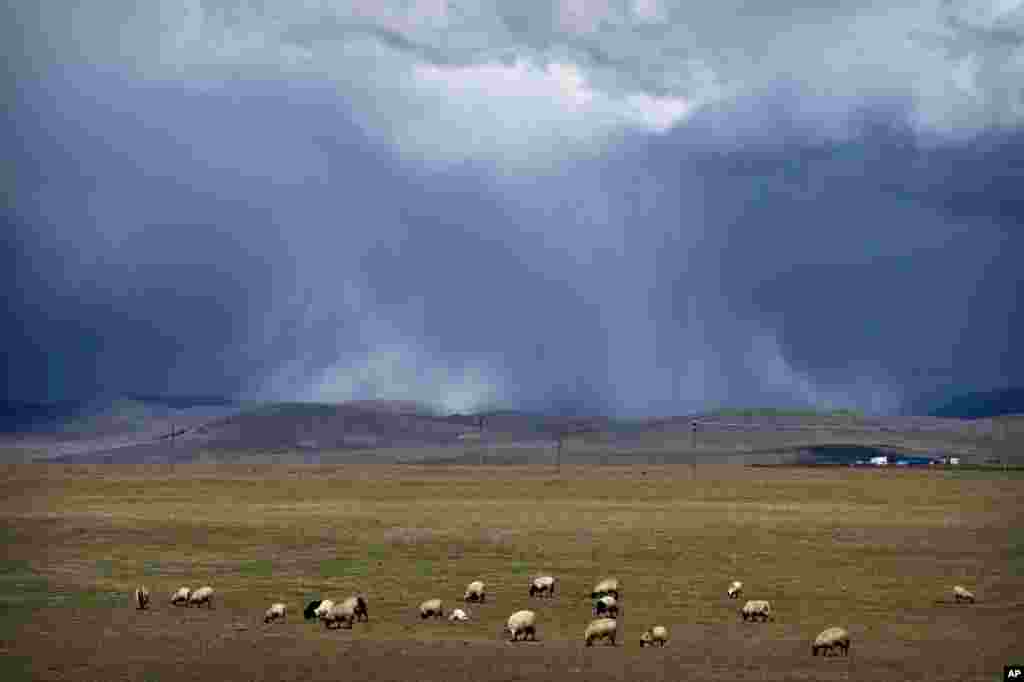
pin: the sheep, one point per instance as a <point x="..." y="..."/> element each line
<point x="961" y="593"/>
<point x="475" y="592"/>
<point x="606" y="587"/>
<point x="545" y="584"/>
<point x="458" y="616"/>
<point x="274" y="612"/>
<point x="338" y="614"/>
<point x="204" y="595"/>
<point x="656" y="635"/>
<point x="431" y="607"/>
<point x="735" y="589"/>
<point x="601" y="628"/>
<point x="323" y="608"/>
<point x="607" y="605"/>
<point x="757" y="608"/>
<point x="141" y="597"/>
<point x="357" y="603"/>
<point x="181" y="596"/>
<point x="829" y="639"/>
<point x="522" y="623"/>
<point x="310" y="611"/>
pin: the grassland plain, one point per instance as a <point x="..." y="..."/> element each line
<point x="877" y="551"/>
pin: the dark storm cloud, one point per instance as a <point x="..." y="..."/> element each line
<point x="206" y="221"/>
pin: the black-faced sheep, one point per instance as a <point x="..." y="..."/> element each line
<point x="545" y="584"/>
<point x="204" y="595"/>
<point x="181" y="596"/>
<point x="310" y="611"/>
<point x="475" y="592"/>
<point x="735" y="589"/>
<point x="458" y="616"/>
<point x="961" y="593"/>
<point x="831" y="639"/>
<point x="431" y="607"/>
<point x="522" y="623"/>
<point x="656" y="635"/>
<point x="601" y="628"/>
<point x="607" y="606"/>
<point x="757" y="609"/>
<point x="275" y="612"/>
<point x="141" y="597"/>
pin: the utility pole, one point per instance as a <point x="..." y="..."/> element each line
<point x="693" y="447"/>
<point x="480" y="423"/>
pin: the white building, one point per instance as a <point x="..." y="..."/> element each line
<point x="880" y="461"/>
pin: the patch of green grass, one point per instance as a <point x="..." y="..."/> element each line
<point x="260" y="568"/>
<point x="340" y="568"/>
<point x="7" y="535"/>
<point x="377" y="552"/>
<point x="104" y="568"/>
<point x="424" y="568"/>
<point x="519" y="568"/>
<point x="15" y="668"/>
<point x="151" y="568"/>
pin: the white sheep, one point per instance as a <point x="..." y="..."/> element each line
<point x="204" y="595"/>
<point x="757" y="608"/>
<point x="605" y="587"/>
<point x="829" y="640"/>
<point x="458" y="616"/>
<point x="275" y="611"/>
<point x="545" y="584"/>
<point x="961" y="593"/>
<point x="475" y="592"/>
<point x="522" y="623"/>
<point x="607" y="605"/>
<point x="431" y="607"/>
<point x="323" y="608"/>
<point x="340" y="614"/>
<point x="735" y="589"/>
<point x="656" y="635"/>
<point x="141" y="597"/>
<point x="181" y="596"/>
<point x="601" y="628"/>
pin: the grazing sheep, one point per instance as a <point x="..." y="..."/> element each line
<point x="204" y="595"/>
<point x="522" y="623"/>
<point x="340" y="614"/>
<point x="757" y="608"/>
<point x="181" y="596"/>
<point x="656" y="635"/>
<point x="602" y="628"/>
<point x="543" y="585"/>
<point x="431" y="607"/>
<point x="961" y="593"/>
<point x="829" y="639"/>
<point x="310" y="612"/>
<point x="475" y="592"/>
<point x="458" y="616"/>
<point x="274" y="612"/>
<point x="323" y="608"/>
<point x="606" y="587"/>
<point x="735" y="589"/>
<point x="607" y="605"/>
<point x="141" y="597"/>
<point x="357" y="603"/>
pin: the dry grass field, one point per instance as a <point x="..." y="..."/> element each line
<point x="877" y="551"/>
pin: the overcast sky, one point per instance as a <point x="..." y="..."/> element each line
<point x="635" y="207"/>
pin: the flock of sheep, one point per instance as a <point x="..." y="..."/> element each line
<point x="522" y="625"/>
